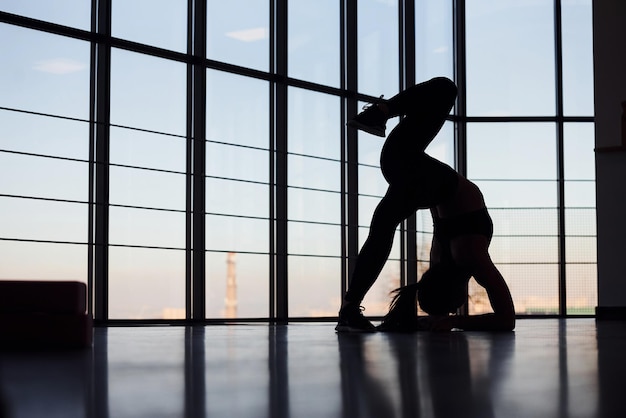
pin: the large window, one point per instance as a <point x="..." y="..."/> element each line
<point x="190" y="160"/>
<point x="44" y="153"/>
<point x="530" y="147"/>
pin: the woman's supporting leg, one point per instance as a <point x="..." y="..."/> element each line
<point x="392" y="209"/>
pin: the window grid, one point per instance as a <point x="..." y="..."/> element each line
<point x="411" y="253"/>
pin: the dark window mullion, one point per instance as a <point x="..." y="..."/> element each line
<point x="558" y="60"/>
<point x="281" y="312"/>
<point x="352" y="150"/>
<point x="409" y="273"/>
<point x="188" y="170"/>
<point x="199" y="161"/>
<point x="460" y="75"/>
<point x="102" y="114"/>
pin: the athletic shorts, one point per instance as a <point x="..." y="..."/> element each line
<point x="472" y="223"/>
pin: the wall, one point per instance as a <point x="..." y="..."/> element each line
<point x="610" y="90"/>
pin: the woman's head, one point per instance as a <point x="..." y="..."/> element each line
<point x="442" y="289"/>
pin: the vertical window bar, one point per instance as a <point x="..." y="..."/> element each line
<point x="282" y="292"/>
<point x="401" y="86"/>
<point x="199" y="161"/>
<point x="460" y="117"/>
<point x="91" y="174"/>
<point x="102" y="130"/>
<point x="407" y="79"/>
<point x="272" y="162"/>
<point x="343" y="150"/>
<point x="352" y="149"/>
<point x="558" y="50"/>
<point x="460" y="71"/>
<point x="189" y="168"/>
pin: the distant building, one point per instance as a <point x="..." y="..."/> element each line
<point x="230" y="302"/>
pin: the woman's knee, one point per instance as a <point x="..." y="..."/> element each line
<point x="445" y="85"/>
<point x="446" y="90"/>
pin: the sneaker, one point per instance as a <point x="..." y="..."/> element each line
<point x="371" y="120"/>
<point x="352" y="320"/>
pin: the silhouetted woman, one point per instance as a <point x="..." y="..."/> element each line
<point x="462" y="225"/>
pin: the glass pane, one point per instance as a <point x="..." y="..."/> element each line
<point x="237" y="109"/>
<point x="314" y="286"/>
<point x="237" y="285"/>
<point x="370" y="145"/>
<point x="581" y="250"/>
<point x="580" y="217"/>
<point x="149" y="228"/>
<point x="45" y="73"/>
<point x="581" y="257"/>
<point x="377" y="300"/>
<point x="371" y="181"/>
<point x="367" y="205"/>
<point x="238" y="32"/>
<point x="235" y="234"/>
<point x="515" y="168"/>
<point x="510" y="58"/>
<point x="314" y="126"/>
<point x="580" y="222"/>
<point x="525" y="222"/>
<point x="161" y="23"/>
<point x="237" y="198"/>
<point x="378" y="60"/>
<point x="314" y="41"/>
<point x="579" y="155"/>
<point x="314" y="239"/>
<point x="378" y="297"/>
<point x="146" y="283"/>
<point x="581" y="193"/>
<point x="63" y="179"/>
<point x="518" y="194"/>
<point x="74" y="13"/>
<point x="147" y="150"/>
<point x="314" y="206"/>
<point x="534" y="287"/>
<point x="148" y="92"/>
<point x="433" y="39"/>
<point x="42" y="261"/>
<point x="43" y="220"/>
<point x="582" y="288"/>
<point x="577" y="23"/>
<point x="523" y="249"/>
<point x="424" y="239"/>
<point x="36" y="134"/>
<point x="442" y="146"/>
<point x="521" y="151"/>
<point x="237" y="163"/>
<point x="147" y="189"/>
<point x="313" y="173"/>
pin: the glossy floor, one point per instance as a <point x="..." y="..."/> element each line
<point x="546" y="368"/>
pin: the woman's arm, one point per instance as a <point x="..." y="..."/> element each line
<point x="485" y="322"/>
<point x="472" y="251"/>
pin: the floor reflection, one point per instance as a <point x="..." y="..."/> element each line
<point x="434" y="374"/>
<point x="547" y="368"/>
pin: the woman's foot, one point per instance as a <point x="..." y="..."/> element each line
<point x="372" y="119"/>
<point x="351" y="319"/>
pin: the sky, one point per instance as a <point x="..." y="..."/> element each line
<point x="510" y="72"/>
